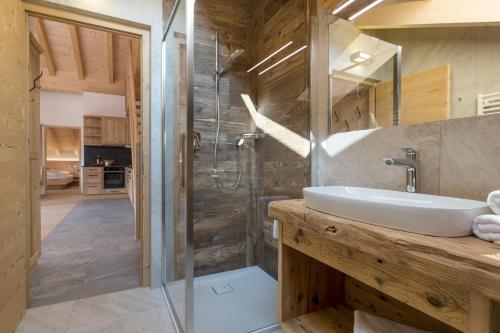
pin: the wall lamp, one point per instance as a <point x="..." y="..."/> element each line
<point x="360" y="57"/>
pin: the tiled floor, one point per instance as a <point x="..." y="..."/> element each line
<point x="136" y="310"/>
<point x="92" y="251"/>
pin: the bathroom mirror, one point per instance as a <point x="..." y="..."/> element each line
<point x="406" y="76"/>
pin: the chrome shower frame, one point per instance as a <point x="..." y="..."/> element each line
<point x="188" y="320"/>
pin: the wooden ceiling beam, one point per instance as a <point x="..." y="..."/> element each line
<point x="77" y="52"/>
<point x="110" y="60"/>
<point x="44" y="42"/>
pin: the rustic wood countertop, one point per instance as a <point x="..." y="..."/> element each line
<point x="466" y="262"/>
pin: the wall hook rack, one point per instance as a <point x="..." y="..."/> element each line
<point x="36" y="84"/>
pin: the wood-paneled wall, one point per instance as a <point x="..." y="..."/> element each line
<point x="34" y="152"/>
<point x="13" y="164"/>
<point x="221" y="217"/>
<point x="281" y="95"/>
<point x="230" y="227"/>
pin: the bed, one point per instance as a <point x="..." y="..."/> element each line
<point x="58" y="179"/>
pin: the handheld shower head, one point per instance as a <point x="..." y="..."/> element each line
<point x="232" y="57"/>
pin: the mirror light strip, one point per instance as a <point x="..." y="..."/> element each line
<point x="364" y="10"/>
<point x="342" y="6"/>
<point x="282" y="60"/>
<point x="270" y="56"/>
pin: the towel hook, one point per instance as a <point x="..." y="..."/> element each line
<point x="337" y="119"/>
<point x="35" y="86"/>
<point x="358" y="112"/>
<point x="347" y="125"/>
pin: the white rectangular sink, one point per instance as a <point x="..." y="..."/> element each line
<point x="413" y="212"/>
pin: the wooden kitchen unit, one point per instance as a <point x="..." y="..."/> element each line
<point x="93" y="183"/>
<point x="106" y="131"/>
<point x="330" y="266"/>
<point x="92" y="180"/>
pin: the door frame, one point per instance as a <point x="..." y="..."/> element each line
<point x="143" y="32"/>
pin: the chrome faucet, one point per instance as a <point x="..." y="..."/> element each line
<point x="411" y="166"/>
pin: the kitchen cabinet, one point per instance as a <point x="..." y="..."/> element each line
<point x="114" y="131"/>
<point x="92" y="180"/>
<point x="127" y="133"/>
<point x="92" y="130"/>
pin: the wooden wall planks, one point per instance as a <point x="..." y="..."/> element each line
<point x="279" y="97"/>
<point x="34" y="152"/>
<point x="425" y="97"/>
<point x="81" y="59"/>
<point x="221" y="217"/>
<point x="228" y="232"/>
<point x="13" y="163"/>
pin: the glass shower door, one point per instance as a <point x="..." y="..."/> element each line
<point x="175" y="278"/>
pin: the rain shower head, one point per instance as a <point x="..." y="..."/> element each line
<point x="232" y="57"/>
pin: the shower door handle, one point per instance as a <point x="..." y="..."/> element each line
<point x="182" y="158"/>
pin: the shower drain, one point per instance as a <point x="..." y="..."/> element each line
<point x="222" y="288"/>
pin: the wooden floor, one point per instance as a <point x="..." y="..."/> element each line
<point x="88" y="248"/>
<point x="55" y="206"/>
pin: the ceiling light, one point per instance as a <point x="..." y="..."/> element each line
<point x="270" y="56"/>
<point x="367" y="8"/>
<point x="360" y="57"/>
<point x="284" y="59"/>
<point x="342" y="6"/>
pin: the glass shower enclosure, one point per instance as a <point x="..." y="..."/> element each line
<point x="235" y="137"/>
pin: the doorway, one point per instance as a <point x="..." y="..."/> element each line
<point x="115" y="217"/>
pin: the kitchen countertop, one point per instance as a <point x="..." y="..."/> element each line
<point x="102" y="166"/>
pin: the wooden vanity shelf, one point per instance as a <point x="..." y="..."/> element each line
<point x="338" y="319"/>
<point x="330" y="266"/>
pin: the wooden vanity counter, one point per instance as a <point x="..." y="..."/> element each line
<point x="326" y="262"/>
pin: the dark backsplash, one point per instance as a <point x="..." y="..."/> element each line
<point x="122" y="156"/>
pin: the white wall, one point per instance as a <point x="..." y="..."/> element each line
<point x="103" y="105"/>
<point x="64" y="109"/>
<point x="147" y="12"/>
<point x="61" y="109"/>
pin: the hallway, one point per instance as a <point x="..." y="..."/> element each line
<point x="88" y="248"/>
